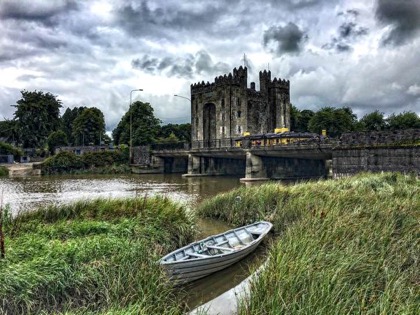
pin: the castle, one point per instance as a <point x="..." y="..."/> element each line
<point x="227" y="108"/>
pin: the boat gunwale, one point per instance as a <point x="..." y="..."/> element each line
<point x="196" y="259"/>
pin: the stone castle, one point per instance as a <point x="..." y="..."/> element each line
<point x="227" y="108"/>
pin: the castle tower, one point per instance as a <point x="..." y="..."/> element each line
<point x="226" y="108"/>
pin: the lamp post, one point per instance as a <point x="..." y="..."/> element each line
<point x="131" y="126"/>
<point x="182" y="97"/>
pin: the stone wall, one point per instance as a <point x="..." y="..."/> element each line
<point x="394" y="151"/>
<point x="141" y="155"/>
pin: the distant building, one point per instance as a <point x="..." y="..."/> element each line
<point x="227" y="108"/>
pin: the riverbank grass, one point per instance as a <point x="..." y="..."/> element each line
<point x="93" y="257"/>
<point x="348" y="246"/>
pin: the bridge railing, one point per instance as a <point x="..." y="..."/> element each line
<point x="170" y="146"/>
<point x="214" y="144"/>
<point x="228" y="143"/>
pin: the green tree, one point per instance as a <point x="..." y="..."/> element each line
<point x="406" y="120"/>
<point x="56" y="139"/>
<point x="37" y="115"/>
<point x="9" y="131"/>
<point x="334" y="120"/>
<point x="67" y="121"/>
<point x="89" y="127"/>
<point x="180" y="131"/>
<point x="299" y="120"/>
<point x="373" y="122"/>
<point x="145" y="126"/>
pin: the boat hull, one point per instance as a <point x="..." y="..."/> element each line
<point x="187" y="269"/>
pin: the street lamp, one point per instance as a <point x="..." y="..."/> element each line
<point x="131" y="126"/>
<point x="182" y="97"/>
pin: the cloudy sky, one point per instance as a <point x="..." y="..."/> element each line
<point x="358" y="53"/>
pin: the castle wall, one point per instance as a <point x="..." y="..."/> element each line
<point x="238" y="108"/>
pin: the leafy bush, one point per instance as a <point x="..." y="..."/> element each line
<point x="103" y="158"/>
<point x="6" y="148"/>
<point x="63" y="162"/>
<point x="4" y="171"/>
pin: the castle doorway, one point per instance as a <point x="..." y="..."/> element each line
<point x="209" y="124"/>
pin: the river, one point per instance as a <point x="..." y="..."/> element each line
<point x="29" y="192"/>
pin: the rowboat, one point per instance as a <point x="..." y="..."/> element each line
<point x="214" y="253"/>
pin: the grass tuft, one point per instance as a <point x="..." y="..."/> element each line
<point x="93" y="257"/>
<point x="348" y="246"/>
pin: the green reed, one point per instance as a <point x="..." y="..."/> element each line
<point x="348" y="246"/>
<point x="93" y="257"/>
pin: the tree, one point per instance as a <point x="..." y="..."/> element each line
<point x="373" y="122"/>
<point x="406" y="120"/>
<point x="89" y="127"/>
<point x="9" y="131"/>
<point x="37" y="115"/>
<point x="67" y="121"/>
<point x="56" y="139"/>
<point x="299" y="120"/>
<point x="180" y="131"/>
<point x="334" y="120"/>
<point x="145" y="126"/>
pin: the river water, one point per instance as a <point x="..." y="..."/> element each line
<point x="29" y="192"/>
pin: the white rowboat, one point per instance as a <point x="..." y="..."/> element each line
<point x="213" y="253"/>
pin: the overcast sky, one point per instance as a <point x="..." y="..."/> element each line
<point x="358" y="53"/>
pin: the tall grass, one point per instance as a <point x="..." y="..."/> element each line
<point x="349" y="246"/>
<point x="93" y="257"/>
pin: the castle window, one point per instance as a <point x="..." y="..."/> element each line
<point x="239" y="129"/>
<point x="238" y="102"/>
<point x="223" y="103"/>
<point x="239" y="114"/>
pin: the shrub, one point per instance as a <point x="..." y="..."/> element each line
<point x="63" y="162"/>
<point x="4" y="171"/>
<point x="6" y="148"/>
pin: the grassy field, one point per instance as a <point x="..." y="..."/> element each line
<point x="93" y="257"/>
<point x="348" y="246"/>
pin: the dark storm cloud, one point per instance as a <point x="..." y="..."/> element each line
<point x="350" y="29"/>
<point x="44" y="12"/>
<point x="348" y="32"/>
<point x="179" y="67"/>
<point x="286" y="39"/>
<point x="185" y="67"/>
<point x="403" y="16"/>
<point x="142" y="20"/>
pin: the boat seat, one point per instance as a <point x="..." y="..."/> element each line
<point x="197" y="255"/>
<point x="221" y="248"/>
<point x="221" y="243"/>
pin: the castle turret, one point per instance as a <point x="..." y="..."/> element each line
<point x="265" y="80"/>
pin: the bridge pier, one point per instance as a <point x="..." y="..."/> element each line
<point x="213" y="166"/>
<point x="255" y="169"/>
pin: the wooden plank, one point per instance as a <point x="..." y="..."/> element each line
<point x="198" y="255"/>
<point x="239" y="239"/>
<point x="221" y="243"/>
<point x="221" y="248"/>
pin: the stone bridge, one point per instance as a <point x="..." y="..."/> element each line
<point x="285" y="161"/>
<point x="395" y="151"/>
